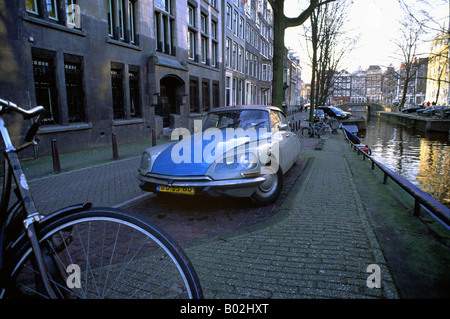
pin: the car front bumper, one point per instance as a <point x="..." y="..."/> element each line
<point x="243" y="187"/>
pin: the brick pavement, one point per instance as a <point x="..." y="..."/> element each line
<point x="319" y="246"/>
<point x="104" y="185"/>
<point x="316" y="246"/>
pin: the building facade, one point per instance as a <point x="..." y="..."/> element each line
<point x="342" y="87"/>
<point x="438" y="83"/>
<point x="131" y="67"/>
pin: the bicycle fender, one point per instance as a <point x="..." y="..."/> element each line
<point x="65" y="211"/>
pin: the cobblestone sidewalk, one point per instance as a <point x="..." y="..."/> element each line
<point x="320" y="247"/>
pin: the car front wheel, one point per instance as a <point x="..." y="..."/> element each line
<point x="268" y="192"/>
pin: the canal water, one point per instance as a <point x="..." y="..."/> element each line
<point x="422" y="158"/>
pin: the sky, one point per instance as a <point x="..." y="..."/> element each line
<point x="377" y="23"/>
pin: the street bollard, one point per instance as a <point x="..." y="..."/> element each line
<point x="114" y="145"/>
<point x="153" y="137"/>
<point x="55" y="156"/>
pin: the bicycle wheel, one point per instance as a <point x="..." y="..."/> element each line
<point x="105" y="253"/>
<point x="334" y="124"/>
<point x="306" y="132"/>
<point x="324" y="131"/>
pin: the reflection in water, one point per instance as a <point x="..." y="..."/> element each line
<point x="422" y="158"/>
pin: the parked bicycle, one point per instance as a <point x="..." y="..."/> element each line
<point x="332" y="122"/>
<point x="80" y="251"/>
<point x="321" y="129"/>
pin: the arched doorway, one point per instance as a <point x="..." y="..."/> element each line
<point x="170" y="98"/>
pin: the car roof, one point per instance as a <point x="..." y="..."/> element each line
<point x="246" y="107"/>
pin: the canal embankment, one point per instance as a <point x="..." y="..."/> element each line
<point x="417" y="248"/>
<point x="417" y="122"/>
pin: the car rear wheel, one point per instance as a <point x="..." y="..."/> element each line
<point x="268" y="192"/>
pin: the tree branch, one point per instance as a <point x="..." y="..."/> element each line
<point x="293" y="22"/>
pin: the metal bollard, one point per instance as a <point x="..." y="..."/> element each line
<point x="55" y="156"/>
<point x="114" y="146"/>
<point x="153" y="137"/>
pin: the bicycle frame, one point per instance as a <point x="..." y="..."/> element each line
<point x="13" y="169"/>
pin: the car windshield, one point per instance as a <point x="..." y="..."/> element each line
<point x="335" y="109"/>
<point x="237" y="119"/>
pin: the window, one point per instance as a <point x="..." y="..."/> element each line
<point x="52" y="9"/>
<point x="228" y="91"/>
<point x="31" y="6"/>
<point x="228" y="53"/>
<point x="203" y="23"/>
<point x="234" y="27"/>
<point x="275" y="120"/>
<point x="204" y="55"/>
<point x="205" y="95"/>
<point x="191" y="45"/>
<point x="214" y="30"/>
<point x="121" y="19"/>
<point x="131" y="21"/>
<point x="164" y="5"/>
<point x="241" y="28"/>
<point x="214" y="52"/>
<point x="117" y="92"/>
<point x="45" y="87"/>
<point x="110" y="19"/>
<point x="135" y="101"/>
<point x="191" y="15"/>
<point x="216" y="94"/>
<point x="124" y="11"/>
<point x="234" y="61"/>
<point x="193" y="95"/>
<point x="264" y="72"/>
<point x="74" y="89"/>
<point x="241" y="59"/>
<point x="228" y="17"/>
<point x="164" y="31"/>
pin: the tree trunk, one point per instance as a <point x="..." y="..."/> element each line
<point x="278" y="60"/>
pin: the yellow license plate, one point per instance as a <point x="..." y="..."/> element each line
<point x="176" y="189"/>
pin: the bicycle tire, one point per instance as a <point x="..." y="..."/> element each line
<point x="324" y="132"/>
<point x="334" y="124"/>
<point x="144" y="261"/>
<point x="306" y="132"/>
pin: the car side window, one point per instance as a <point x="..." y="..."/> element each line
<point x="274" y="121"/>
<point x="276" y="118"/>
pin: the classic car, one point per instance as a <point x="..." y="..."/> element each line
<point x="240" y="151"/>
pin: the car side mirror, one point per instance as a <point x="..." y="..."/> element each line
<point x="283" y="127"/>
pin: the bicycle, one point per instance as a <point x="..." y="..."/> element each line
<point x="332" y="122"/>
<point x="320" y="129"/>
<point x="81" y="251"/>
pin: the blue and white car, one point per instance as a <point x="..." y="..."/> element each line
<point x="240" y="151"/>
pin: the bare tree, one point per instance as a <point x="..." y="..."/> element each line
<point x="281" y="23"/>
<point x="407" y="44"/>
<point x="329" y="45"/>
<point x="440" y="33"/>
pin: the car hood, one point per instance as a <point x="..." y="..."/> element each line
<point x="193" y="155"/>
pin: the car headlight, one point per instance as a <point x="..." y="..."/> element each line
<point x="240" y="162"/>
<point x="146" y="162"/>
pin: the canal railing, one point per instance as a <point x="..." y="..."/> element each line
<point x="421" y="198"/>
